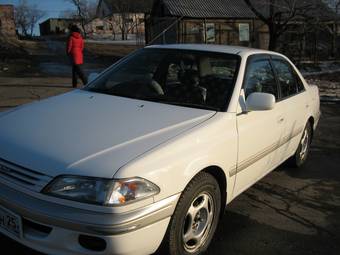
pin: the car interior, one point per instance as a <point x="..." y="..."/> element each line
<point x="196" y="79"/>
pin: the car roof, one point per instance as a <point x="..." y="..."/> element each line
<point x="214" y="48"/>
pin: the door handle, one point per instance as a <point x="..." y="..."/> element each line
<point x="280" y="120"/>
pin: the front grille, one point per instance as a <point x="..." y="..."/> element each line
<point x="22" y="176"/>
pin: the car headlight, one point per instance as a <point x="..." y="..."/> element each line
<point x="107" y="192"/>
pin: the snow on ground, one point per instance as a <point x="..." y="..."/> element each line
<point x="324" y="67"/>
<point x="326" y="75"/>
<point x="329" y="90"/>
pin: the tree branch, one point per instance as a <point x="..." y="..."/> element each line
<point x="256" y="12"/>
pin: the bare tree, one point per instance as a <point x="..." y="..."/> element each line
<point x="125" y="16"/>
<point x="277" y="14"/>
<point x="34" y="17"/>
<point x="335" y="6"/>
<point x="122" y="16"/>
<point x="112" y="23"/>
<point x="27" y="16"/>
<point x="20" y="15"/>
<point x="85" y="11"/>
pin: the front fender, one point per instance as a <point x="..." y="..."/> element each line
<point x="173" y="164"/>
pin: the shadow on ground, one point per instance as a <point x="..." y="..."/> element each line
<point x="290" y="211"/>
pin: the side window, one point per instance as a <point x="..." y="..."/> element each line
<point x="286" y="77"/>
<point x="260" y="78"/>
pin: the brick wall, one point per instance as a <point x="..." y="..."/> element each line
<point x="7" y="24"/>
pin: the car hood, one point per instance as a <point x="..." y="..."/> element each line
<point x="89" y="134"/>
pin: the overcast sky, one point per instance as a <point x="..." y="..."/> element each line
<point x="53" y="8"/>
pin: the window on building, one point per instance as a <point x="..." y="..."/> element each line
<point x="210" y="33"/>
<point x="194" y="32"/>
<point x="244" y="32"/>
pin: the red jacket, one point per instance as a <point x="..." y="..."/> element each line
<point x="75" y="47"/>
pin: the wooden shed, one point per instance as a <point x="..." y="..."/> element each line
<point x="205" y="21"/>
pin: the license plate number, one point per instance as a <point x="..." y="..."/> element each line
<point x="10" y="222"/>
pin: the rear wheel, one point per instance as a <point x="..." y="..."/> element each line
<point x="302" y="151"/>
<point x="195" y="219"/>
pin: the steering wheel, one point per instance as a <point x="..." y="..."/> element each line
<point x="156" y="87"/>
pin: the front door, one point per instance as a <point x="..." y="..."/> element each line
<point x="259" y="131"/>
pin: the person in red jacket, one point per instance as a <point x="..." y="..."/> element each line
<point x="75" y="48"/>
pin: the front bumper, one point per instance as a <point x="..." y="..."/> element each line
<point x="136" y="232"/>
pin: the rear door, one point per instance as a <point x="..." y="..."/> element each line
<point x="259" y="132"/>
<point x="293" y="100"/>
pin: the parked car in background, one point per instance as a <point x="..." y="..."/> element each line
<point x="148" y="154"/>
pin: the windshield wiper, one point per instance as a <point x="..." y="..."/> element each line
<point x="157" y="100"/>
<point x="193" y="105"/>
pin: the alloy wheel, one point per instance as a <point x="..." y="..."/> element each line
<point x="197" y="222"/>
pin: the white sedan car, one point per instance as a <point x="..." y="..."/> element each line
<point x="148" y="154"/>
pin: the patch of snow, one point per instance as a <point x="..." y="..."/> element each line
<point x="309" y="69"/>
<point x="329" y="91"/>
<point x="311" y="73"/>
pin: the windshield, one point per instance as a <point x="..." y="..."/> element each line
<point x="187" y="78"/>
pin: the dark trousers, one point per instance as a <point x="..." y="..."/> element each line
<point x="77" y="71"/>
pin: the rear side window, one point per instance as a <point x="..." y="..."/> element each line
<point x="290" y="83"/>
<point x="260" y="78"/>
<point x="300" y="85"/>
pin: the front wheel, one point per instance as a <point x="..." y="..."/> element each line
<point x="195" y="219"/>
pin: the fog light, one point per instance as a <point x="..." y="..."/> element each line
<point x="92" y="243"/>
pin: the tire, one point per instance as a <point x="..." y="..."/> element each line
<point x="195" y="219"/>
<point x="302" y="152"/>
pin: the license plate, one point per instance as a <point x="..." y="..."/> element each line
<point x="10" y="222"/>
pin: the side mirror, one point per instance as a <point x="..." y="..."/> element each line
<point x="92" y="77"/>
<point x="260" y="102"/>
